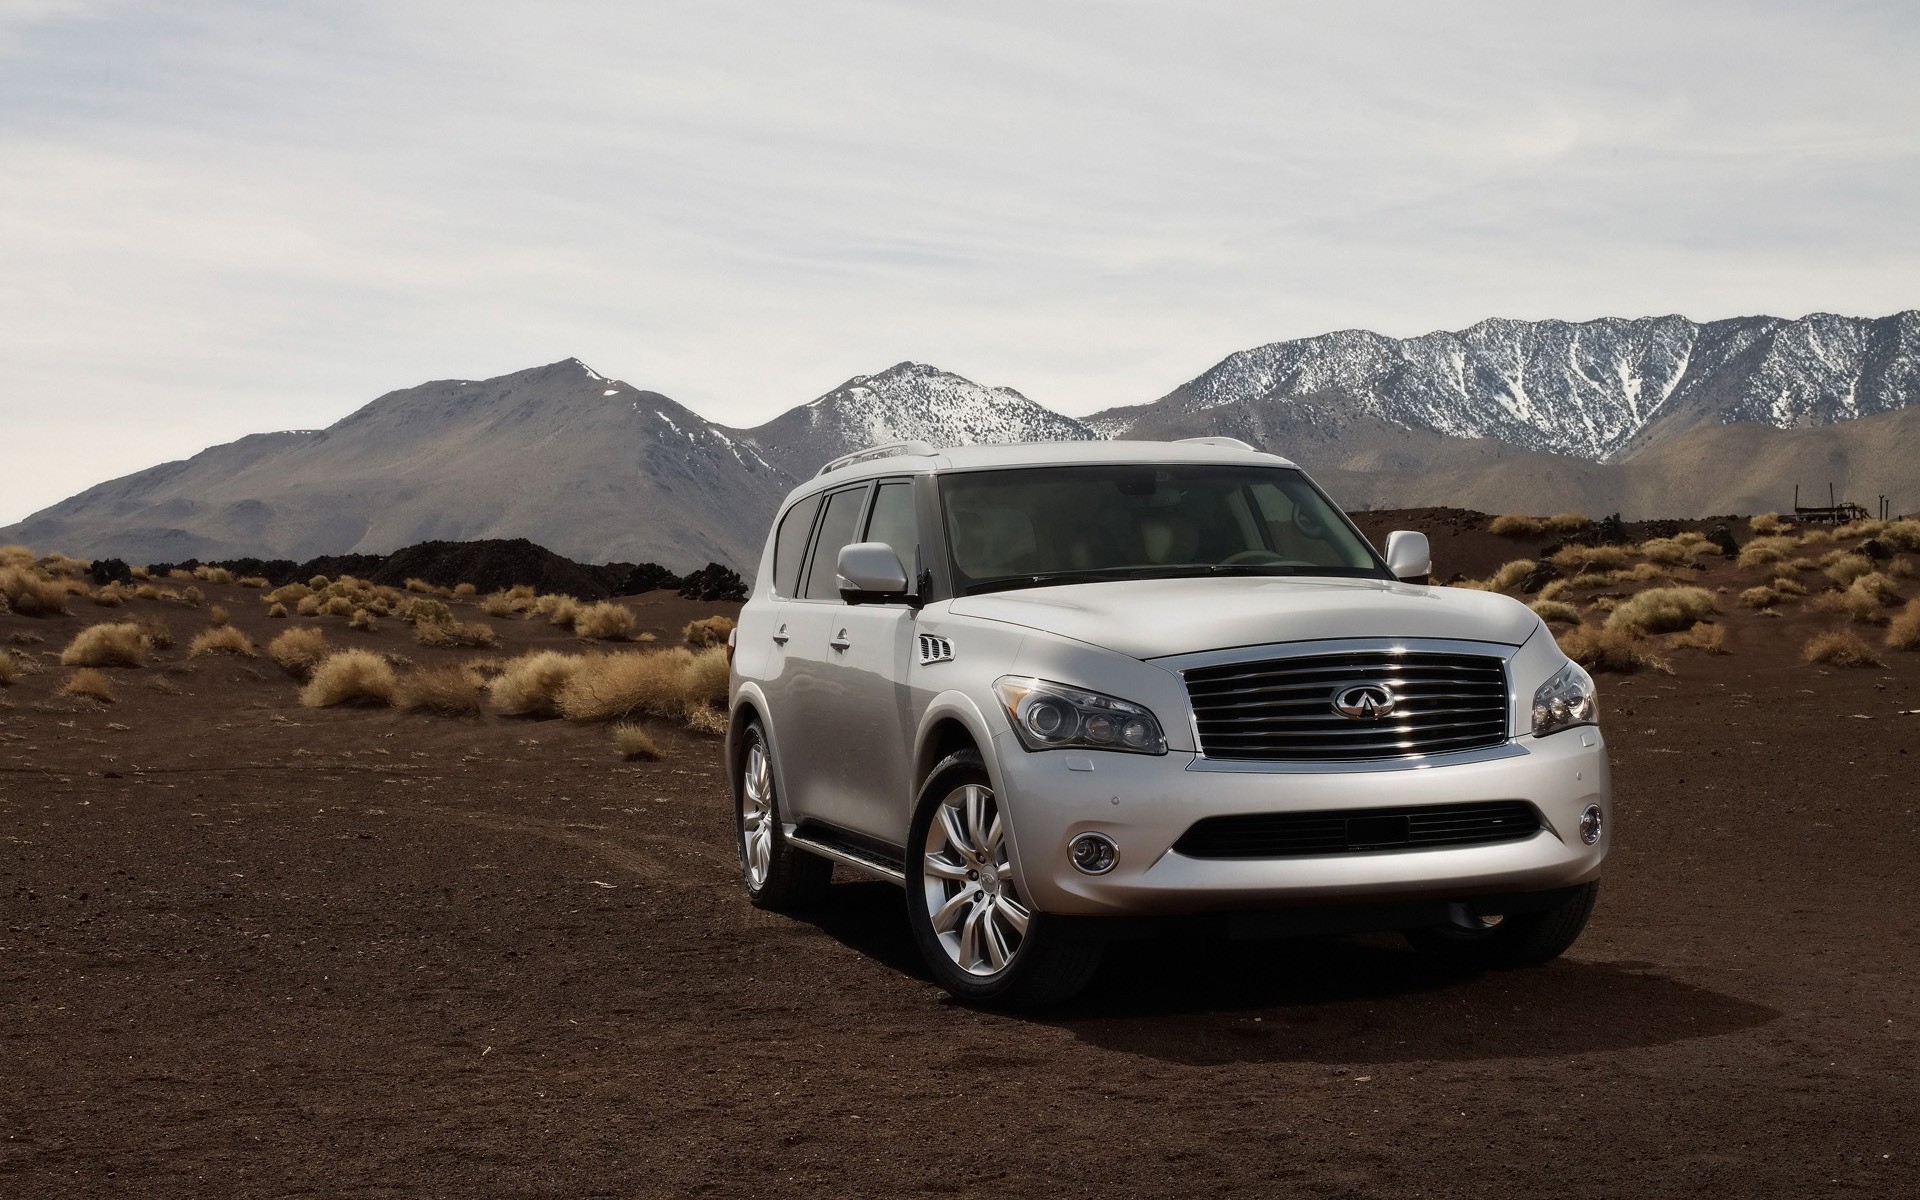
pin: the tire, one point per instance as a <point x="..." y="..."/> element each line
<point x="777" y="876"/>
<point x="1520" y="940"/>
<point x="981" y="939"/>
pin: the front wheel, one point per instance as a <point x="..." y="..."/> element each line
<point x="1516" y="940"/>
<point x="979" y="936"/>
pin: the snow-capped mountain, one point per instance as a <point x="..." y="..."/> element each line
<point x="1597" y="389"/>
<point x="906" y="402"/>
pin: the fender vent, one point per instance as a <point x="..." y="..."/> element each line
<point x="935" y="649"/>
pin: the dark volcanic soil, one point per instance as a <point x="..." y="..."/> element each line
<point x="252" y="949"/>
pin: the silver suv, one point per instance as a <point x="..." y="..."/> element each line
<point x="1064" y="692"/>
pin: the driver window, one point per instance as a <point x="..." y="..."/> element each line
<point x="839" y="526"/>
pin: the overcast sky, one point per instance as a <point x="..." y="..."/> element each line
<point x="222" y="218"/>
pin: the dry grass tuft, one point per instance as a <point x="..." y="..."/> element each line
<point x="64" y="565"/>
<point x="1903" y="535"/>
<point x="362" y="620"/>
<point x="1844" y="568"/>
<point x="426" y="612"/>
<point x="503" y="604"/>
<point x="707" y="720"/>
<point x="1765" y="551"/>
<point x="31" y="593"/>
<point x="1707" y="635"/>
<point x="465" y="591"/>
<point x="122" y="644"/>
<point x="113" y="595"/>
<point x="618" y="685"/>
<point x="1553" y="589"/>
<point x="15" y="555"/>
<point x="89" y="683"/>
<point x="531" y="685"/>
<point x="219" y="575"/>
<point x="8" y="668"/>
<point x="1839" y="648"/>
<point x="1760" y="597"/>
<point x="1662" y="610"/>
<point x="1579" y="558"/>
<point x="476" y="634"/>
<point x="221" y="639"/>
<point x="1514" y="525"/>
<point x="350" y="677"/>
<point x="605" y="621"/>
<point x="299" y="650"/>
<point x="293" y="593"/>
<point x="1508" y="577"/>
<point x="1787" y="585"/>
<point x="334" y="606"/>
<point x="1603" y="648"/>
<point x="1671" y="552"/>
<point x="318" y="582"/>
<point x="252" y="581"/>
<point x="708" y="631"/>
<point x="218" y="615"/>
<point x="277" y="612"/>
<point x="1904" y="632"/>
<point x="633" y="743"/>
<point x="422" y="587"/>
<point x="558" y="610"/>
<point x="1556" y="612"/>
<point x="449" y="691"/>
<point x="1766" y="523"/>
<point x="1567" y="522"/>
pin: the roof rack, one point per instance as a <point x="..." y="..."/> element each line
<point x="883" y="450"/>
<point x="1225" y="443"/>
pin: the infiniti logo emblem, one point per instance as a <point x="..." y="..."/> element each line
<point x="1365" y="701"/>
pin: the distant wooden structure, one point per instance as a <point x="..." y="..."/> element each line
<point x="1836" y="512"/>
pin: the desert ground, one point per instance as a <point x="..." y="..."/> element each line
<point x="250" y="947"/>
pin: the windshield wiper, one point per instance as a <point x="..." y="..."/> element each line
<point x="1055" y="578"/>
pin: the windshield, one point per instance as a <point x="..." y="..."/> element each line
<point x="1036" y="526"/>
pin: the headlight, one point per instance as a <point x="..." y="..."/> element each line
<point x="1566" y="700"/>
<point x="1053" y="716"/>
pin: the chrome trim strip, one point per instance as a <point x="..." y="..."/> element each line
<point x="1248" y="766"/>
<point x="847" y="859"/>
<point x="1181" y="663"/>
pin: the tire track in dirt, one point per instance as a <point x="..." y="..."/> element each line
<point x="657" y="868"/>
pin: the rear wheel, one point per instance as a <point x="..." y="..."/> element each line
<point x="979" y="935"/>
<point x="776" y="874"/>
<point x="1515" y="940"/>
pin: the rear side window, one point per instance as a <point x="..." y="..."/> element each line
<point x="893" y="522"/>
<point x="839" y="526"/>
<point x="790" y="546"/>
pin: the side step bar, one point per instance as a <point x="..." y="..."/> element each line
<point x="816" y="839"/>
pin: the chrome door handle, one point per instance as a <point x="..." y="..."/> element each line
<point x="780" y="636"/>
<point x="840" y="641"/>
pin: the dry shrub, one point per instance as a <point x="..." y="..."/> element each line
<point x="1844" y="568"/>
<point x="1766" y="523"/>
<point x="362" y="620"/>
<point x="89" y="683"/>
<point x="530" y="686"/>
<point x="1693" y="539"/>
<point x="1513" y="525"/>
<point x="218" y="615"/>
<point x="712" y="631"/>
<point x="707" y="720"/>
<point x="277" y="612"/>
<point x="1508" y="577"/>
<point x="15" y="555"/>
<point x="221" y="639"/>
<point x="350" y="677"/>
<point x="477" y="634"/>
<point x="465" y="591"/>
<point x="1565" y="523"/>
<point x="193" y="597"/>
<point x="1902" y="535"/>
<point x="1903" y="568"/>
<point x="8" y="668"/>
<point x="618" y="685"/>
<point x="332" y="606"/>
<point x="558" y="610"/>
<point x="709" y="678"/>
<point x="156" y="632"/>
<point x="252" y="581"/>
<point x="1596" y="579"/>
<point x="1643" y="572"/>
<point x="299" y="650"/>
<point x="1816" y="537"/>
<point x="122" y="644"/>
<point x="1864" y="600"/>
<point x="141" y="572"/>
<point x="318" y="582"/>
<point x="1904" y="632"/>
<point x="1787" y="585"/>
<point x="1760" y="597"/>
<point x="1670" y="551"/>
<point x="293" y="593"/>
<point x="181" y="575"/>
<point x="605" y="621"/>
<point x="64" y="565"/>
<point x="1866" y="527"/>
<point x="1707" y="635"/>
<point x="111" y="596"/>
<point x="500" y="604"/>
<point x="31" y="593"/>
<point x="1556" y="612"/>
<point x="1662" y="610"/>
<point x="633" y="743"/>
<point x="426" y="612"/>
<point x="1581" y="558"/>
<point x="1839" y="648"/>
<point x="218" y="575"/>
<point x="1603" y="648"/>
<point x="449" y="691"/>
<point x="424" y="588"/>
<point x="1553" y="589"/>
<point x="1764" y="551"/>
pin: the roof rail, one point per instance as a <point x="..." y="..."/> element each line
<point x="1225" y="443"/>
<point x="883" y="450"/>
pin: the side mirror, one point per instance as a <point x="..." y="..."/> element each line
<point x="871" y="572"/>
<point x="1408" y="556"/>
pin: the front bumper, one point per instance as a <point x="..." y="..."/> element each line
<point x="1144" y="804"/>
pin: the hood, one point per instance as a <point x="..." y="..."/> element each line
<point x="1153" y="618"/>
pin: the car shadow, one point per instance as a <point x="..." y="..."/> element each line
<point x="1368" y="999"/>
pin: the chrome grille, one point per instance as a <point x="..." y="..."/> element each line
<point x="1282" y="710"/>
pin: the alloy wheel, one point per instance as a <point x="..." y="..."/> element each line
<point x="967" y="882"/>
<point x="756" y="814"/>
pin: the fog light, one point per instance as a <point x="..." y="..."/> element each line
<point x="1093" y="853"/>
<point x="1590" y="824"/>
